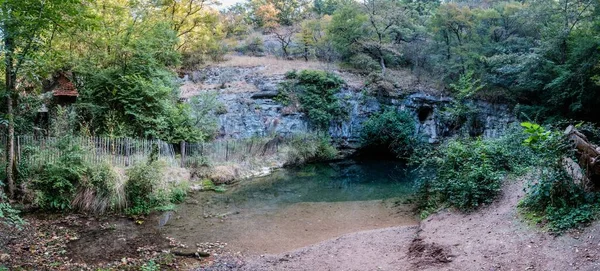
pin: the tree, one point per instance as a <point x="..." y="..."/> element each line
<point x="327" y="7"/>
<point x="236" y="20"/>
<point x="266" y="15"/>
<point x="270" y="13"/>
<point x="384" y="18"/>
<point x="27" y="29"/>
<point x="452" y="26"/>
<point x="346" y="29"/>
<point x="126" y="70"/>
<point x="284" y="36"/>
<point x="197" y="27"/>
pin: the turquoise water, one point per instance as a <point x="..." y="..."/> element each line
<point x="332" y="182"/>
<point x="296" y="207"/>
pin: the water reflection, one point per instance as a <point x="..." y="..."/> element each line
<point x="335" y="182"/>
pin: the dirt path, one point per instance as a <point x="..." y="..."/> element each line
<point x="492" y="238"/>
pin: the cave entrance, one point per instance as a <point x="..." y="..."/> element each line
<point x="424" y="113"/>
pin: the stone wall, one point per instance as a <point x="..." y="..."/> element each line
<point x="255" y="112"/>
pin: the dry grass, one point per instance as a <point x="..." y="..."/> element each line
<point x="403" y="80"/>
<point x="89" y="199"/>
<point x="224" y="174"/>
<point x="190" y="89"/>
<point x="273" y="65"/>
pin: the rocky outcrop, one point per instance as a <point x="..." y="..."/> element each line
<point x="256" y="113"/>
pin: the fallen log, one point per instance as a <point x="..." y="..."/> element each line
<point x="587" y="154"/>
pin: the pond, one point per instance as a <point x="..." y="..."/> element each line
<point x="296" y="207"/>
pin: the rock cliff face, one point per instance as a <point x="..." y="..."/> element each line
<point x="252" y="109"/>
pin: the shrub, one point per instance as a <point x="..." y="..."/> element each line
<point x="304" y="149"/>
<point x="316" y="91"/>
<point x="362" y="62"/>
<point x="100" y="190"/>
<point x="143" y="190"/>
<point x="179" y="193"/>
<point x="554" y="197"/>
<point x="8" y="215"/>
<point x="58" y="180"/>
<point x="467" y="173"/>
<point x="391" y="129"/>
<point x="253" y="46"/>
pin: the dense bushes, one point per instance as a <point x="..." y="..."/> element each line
<point x="58" y="181"/>
<point x="390" y="129"/>
<point x="71" y="183"/>
<point x="310" y="149"/>
<point x="8" y="214"/>
<point x="554" y="198"/>
<point x="467" y="173"/>
<point x="101" y="190"/>
<point x="143" y="188"/>
<point x="315" y="91"/>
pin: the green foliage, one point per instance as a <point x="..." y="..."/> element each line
<point x="204" y="110"/>
<point x="58" y="180"/>
<point x="559" y="202"/>
<point x="316" y="91"/>
<point x="145" y="190"/>
<point x="182" y="126"/>
<point x="536" y="133"/>
<point x="178" y="194"/>
<point x="554" y="195"/>
<point x="150" y="266"/>
<point x="392" y="129"/>
<point x="208" y="185"/>
<point x="327" y="7"/>
<point x="462" y="114"/>
<point x="306" y="149"/>
<point x="466" y="173"/>
<point x="9" y="215"/>
<point x="346" y="29"/>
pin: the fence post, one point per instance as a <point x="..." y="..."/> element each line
<point x="227" y="151"/>
<point x="182" y="145"/>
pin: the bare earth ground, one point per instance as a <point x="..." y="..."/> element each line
<point x="493" y="238"/>
<point x="253" y="233"/>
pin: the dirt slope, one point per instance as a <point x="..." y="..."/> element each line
<point x="492" y="238"/>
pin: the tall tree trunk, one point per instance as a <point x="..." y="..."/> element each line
<point x="10" y="90"/>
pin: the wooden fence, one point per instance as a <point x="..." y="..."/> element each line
<point x="126" y="152"/>
<point x="123" y="152"/>
<point x="233" y="150"/>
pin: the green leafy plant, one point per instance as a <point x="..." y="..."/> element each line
<point x="150" y="266"/>
<point x="9" y="215"/>
<point x="536" y="134"/>
<point x="58" y="181"/>
<point x="146" y="191"/>
<point x="467" y="173"/>
<point x="305" y="149"/>
<point x="390" y="129"/>
<point x="462" y="114"/>
<point x="315" y="91"/>
<point x="554" y="198"/>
